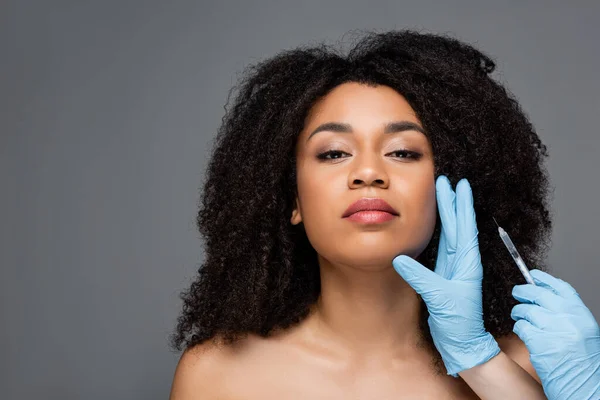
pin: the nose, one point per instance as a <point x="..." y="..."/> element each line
<point x="368" y="173"/>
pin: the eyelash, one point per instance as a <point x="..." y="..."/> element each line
<point x="411" y="154"/>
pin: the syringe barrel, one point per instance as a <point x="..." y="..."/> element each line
<point x="509" y="245"/>
<point x="516" y="256"/>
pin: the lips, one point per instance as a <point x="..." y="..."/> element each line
<point x="369" y="204"/>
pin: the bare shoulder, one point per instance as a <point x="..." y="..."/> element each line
<point x="516" y="350"/>
<point x="198" y="372"/>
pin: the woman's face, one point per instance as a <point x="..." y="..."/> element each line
<point x="382" y="155"/>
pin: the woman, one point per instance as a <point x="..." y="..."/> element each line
<point x="300" y="295"/>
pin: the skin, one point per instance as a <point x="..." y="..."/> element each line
<point x="361" y="338"/>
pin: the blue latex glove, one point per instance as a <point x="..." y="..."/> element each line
<point x="562" y="337"/>
<point x="452" y="292"/>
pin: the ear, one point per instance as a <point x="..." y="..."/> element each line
<point x="296" y="214"/>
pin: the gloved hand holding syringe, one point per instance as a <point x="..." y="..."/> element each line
<point x="560" y="332"/>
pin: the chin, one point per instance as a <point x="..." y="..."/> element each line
<point x="369" y="260"/>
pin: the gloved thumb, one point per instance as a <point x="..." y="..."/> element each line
<point x="423" y="280"/>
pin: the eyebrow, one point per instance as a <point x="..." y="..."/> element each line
<point x="392" y="127"/>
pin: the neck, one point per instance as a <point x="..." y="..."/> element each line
<point x="366" y="312"/>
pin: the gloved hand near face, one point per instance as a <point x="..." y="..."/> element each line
<point x="453" y="291"/>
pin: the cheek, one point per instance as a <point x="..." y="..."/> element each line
<point x="428" y="205"/>
<point x="430" y="211"/>
<point x="319" y="196"/>
<point x="322" y="204"/>
<point x="420" y="215"/>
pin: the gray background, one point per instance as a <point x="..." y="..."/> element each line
<point x="107" y="113"/>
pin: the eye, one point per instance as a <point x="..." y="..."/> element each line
<point x="331" y="154"/>
<point x="407" y="154"/>
<point x="324" y="156"/>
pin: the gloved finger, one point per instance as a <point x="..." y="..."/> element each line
<point x="465" y="213"/>
<point x="467" y="264"/>
<point x="559" y="286"/>
<point x="446" y="200"/>
<point x="527" y="332"/>
<point x="469" y="267"/>
<point x="538" y="295"/>
<point x="442" y="259"/>
<point x="534" y="314"/>
<point x="425" y="282"/>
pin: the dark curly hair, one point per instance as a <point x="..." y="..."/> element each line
<point x="261" y="273"/>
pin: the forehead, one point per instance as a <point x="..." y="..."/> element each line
<point x="355" y="101"/>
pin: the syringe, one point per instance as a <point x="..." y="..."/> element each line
<point x="515" y="254"/>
